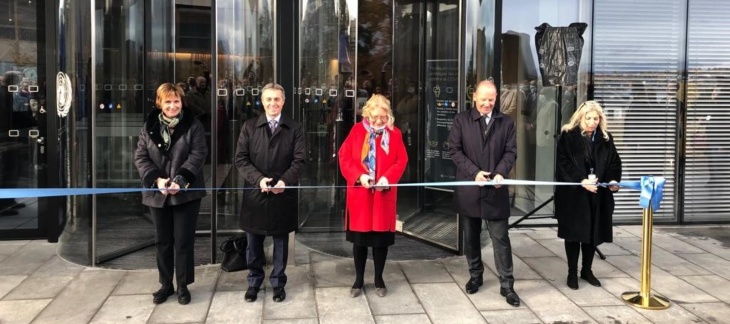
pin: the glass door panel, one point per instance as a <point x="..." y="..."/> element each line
<point x="427" y="97"/>
<point x="22" y="115"/>
<point x="122" y="225"/>
<point x="325" y="102"/>
<point x="245" y="41"/>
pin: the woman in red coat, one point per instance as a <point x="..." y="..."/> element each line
<point x="371" y="158"/>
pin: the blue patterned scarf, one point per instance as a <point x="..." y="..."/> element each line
<point x="368" y="147"/>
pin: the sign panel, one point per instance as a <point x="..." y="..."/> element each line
<point x="442" y="104"/>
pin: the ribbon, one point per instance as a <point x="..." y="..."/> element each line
<point x="651" y="188"/>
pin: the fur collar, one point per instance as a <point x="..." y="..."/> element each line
<point x="152" y="127"/>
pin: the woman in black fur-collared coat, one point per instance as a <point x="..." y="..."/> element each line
<point x="170" y="155"/>
<point x="585" y="154"/>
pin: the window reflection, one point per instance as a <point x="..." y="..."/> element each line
<point x="22" y="111"/>
<point x="539" y="104"/>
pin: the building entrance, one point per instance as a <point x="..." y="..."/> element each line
<point x="330" y="56"/>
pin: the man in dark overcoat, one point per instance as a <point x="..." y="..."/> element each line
<point x="270" y="155"/>
<point x="482" y="145"/>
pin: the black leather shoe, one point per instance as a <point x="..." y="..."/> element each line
<point x="510" y="296"/>
<point x="160" y="296"/>
<point x="251" y="294"/>
<point x="279" y="294"/>
<point x="183" y="295"/>
<point x="473" y="285"/>
<point x="573" y="280"/>
<point x="587" y="275"/>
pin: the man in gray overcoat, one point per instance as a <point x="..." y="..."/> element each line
<point x="270" y="155"/>
<point x="482" y="145"/>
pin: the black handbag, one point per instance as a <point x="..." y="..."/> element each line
<point x="234" y="254"/>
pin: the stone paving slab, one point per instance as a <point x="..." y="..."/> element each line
<point x="232" y="281"/>
<point x="333" y="272"/>
<point x="399" y="299"/>
<point x="524" y="246"/>
<point x="711" y="262"/>
<point x="541" y="297"/>
<point x="675" y="264"/>
<point x="521" y="269"/>
<point x="48" y="281"/>
<point x="36" y="286"/>
<point x="554" y="270"/>
<point x="299" y="302"/>
<point x="334" y="305"/>
<point x="229" y="307"/>
<point x="518" y="316"/>
<point x="10" y="282"/>
<point x="714" y="285"/>
<point x="615" y="314"/>
<point x="487" y="298"/>
<point x="138" y="282"/>
<point x="710" y="312"/>
<point x="84" y="296"/>
<point x="27" y="259"/>
<point x="676" y="313"/>
<point x="21" y="311"/>
<point x="172" y="312"/>
<point x="125" y="309"/>
<point x="290" y="321"/>
<point x="446" y="303"/>
<point x="709" y="245"/>
<point x="540" y="233"/>
<point x="421" y="271"/>
<point x="601" y="268"/>
<point x="402" y="319"/>
<point x="9" y="247"/>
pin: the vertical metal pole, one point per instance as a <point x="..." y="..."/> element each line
<point x="643" y="298"/>
<point x="92" y="128"/>
<point x="646" y="255"/>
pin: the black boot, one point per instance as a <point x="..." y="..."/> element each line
<point x="572" y="251"/>
<point x="360" y="256"/>
<point x="586" y="273"/>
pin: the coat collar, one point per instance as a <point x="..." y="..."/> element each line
<point x="476" y="115"/>
<point x="152" y="126"/>
<point x="262" y="121"/>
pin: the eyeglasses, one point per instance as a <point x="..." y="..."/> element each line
<point x="382" y="118"/>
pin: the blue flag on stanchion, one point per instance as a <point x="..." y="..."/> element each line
<point x="652" y="190"/>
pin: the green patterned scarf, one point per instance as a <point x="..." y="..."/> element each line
<point x="167" y="126"/>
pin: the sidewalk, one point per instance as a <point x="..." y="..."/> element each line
<point x="691" y="268"/>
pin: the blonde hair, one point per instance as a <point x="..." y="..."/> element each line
<point x="167" y="90"/>
<point x="375" y="102"/>
<point x="580" y="113"/>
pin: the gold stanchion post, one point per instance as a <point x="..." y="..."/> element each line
<point x="644" y="299"/>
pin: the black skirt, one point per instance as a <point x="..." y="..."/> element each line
<point x="373" y="239"/>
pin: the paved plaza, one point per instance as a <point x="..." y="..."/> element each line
<point x="691" y="268"/>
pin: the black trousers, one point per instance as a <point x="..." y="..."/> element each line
<point x="498" y="232"/>
<point x="175" y="241"/>
<point x="256" y="259"/>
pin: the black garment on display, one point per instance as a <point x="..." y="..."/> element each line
<point x="558" y="53"/>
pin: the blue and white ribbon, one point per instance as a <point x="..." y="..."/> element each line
<point x="651" y="188"/>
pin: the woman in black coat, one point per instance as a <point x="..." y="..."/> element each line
<point x="170" y="155"/>
<point x="586" y="154"/>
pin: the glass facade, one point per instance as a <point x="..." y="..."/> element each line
<point x="539" y="105"/>
<point x="23" y="114"/>
<point x="662" y="89"/>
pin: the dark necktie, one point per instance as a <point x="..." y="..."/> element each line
<point x="484" y="122"/>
